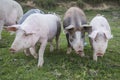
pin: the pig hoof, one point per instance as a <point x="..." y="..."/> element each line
<point x="36" y="56"/>
<point x="68" y="51"/>
<point x="27" y="54"/>
<point x="51" y="48"/>
<point x="40" y="64"/>
<point x="102" y="56"/>
<point x="95" y="59"/>
<point x="82" y="55"/>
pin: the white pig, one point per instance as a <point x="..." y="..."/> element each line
<point x="100" y="35"/>
<point x="10" y="13"/>
<point x="36" y="28"/>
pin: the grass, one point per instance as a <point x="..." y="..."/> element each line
<point x="60" y="66"/>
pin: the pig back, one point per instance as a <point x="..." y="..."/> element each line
<point x="74" y="16"/>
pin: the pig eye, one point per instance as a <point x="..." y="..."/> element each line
<point x="25" y="34"/>
<point x="95" y="40"/>
<point x="73" y="36"/>
<point x="28" y="34"/>
<point x="71" y="39"/>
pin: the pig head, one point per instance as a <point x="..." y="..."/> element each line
<point x="23" y="39"/>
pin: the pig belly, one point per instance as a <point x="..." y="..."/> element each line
<point x="52" y="34"/>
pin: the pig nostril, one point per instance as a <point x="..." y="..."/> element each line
<point x="80" y="51"/>
<point x="99" y="54"/>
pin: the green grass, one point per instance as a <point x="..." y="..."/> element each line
<point x="60" y="66"/>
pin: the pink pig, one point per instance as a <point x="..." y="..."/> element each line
<point x="37" y="27"/>
<point x="100" y="35"/>
<point x="10" y="13"/>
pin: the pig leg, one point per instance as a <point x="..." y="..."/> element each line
<point x="94" y="57"/>
<point x="0" y="32"/>
<point x="83" y="37"/>
<point x="1" y="27"/>
<point x="69" y="49"/>
<point x="41" y="53"/>
<point x="58" y="34"/>
<point x="27" y="52"/>
<point x="33" y="52"/>
<point x="82" y="54"/>
<point x="57" y="42"/>
<point x="51" y="46"/>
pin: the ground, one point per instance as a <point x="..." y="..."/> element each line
<point x="61" y="66"/>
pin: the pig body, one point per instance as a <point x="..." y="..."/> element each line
<point x="99" y="35"/>
<point x="73" y="22"/>
<point x="37" y="27"/>
<point x="10" y="13"/>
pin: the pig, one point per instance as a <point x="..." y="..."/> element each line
<point x="29" y="12"/>
<point x="10" y="13"/>
<point x="75" y="25"/>
<point x="99" y="35"/>
<point x="37" y="28"/>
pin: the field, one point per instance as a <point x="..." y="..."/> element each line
<point x="60" y="66"/>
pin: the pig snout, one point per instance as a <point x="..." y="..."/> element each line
<point x="12" y="50"/>
<point x="99" y="54"/>
<point x="79" y="51"/>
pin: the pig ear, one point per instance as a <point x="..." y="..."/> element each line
<point x="11" y="28"/>
<point x="87" y="27"/>
<point x="69" y="29"/>
<point x="93" y="35"/>
<point x="108" y="35"/>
